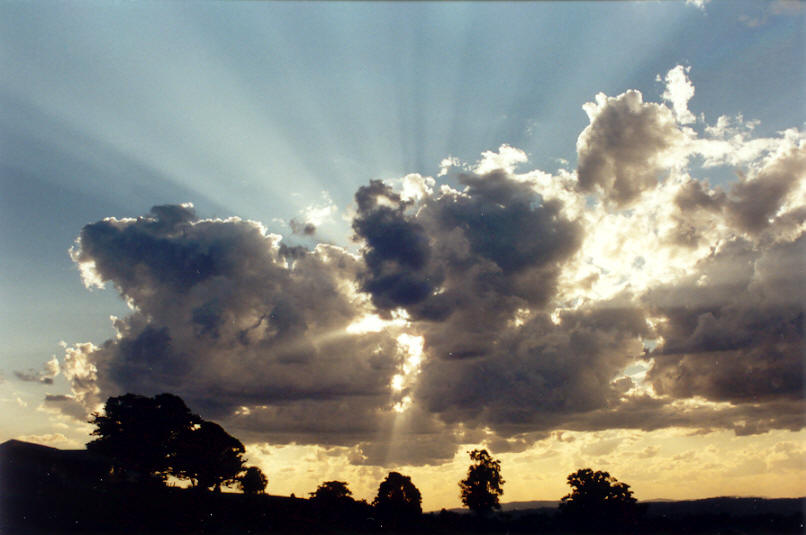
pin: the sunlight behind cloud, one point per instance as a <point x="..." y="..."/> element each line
<point x="444" y="285"/>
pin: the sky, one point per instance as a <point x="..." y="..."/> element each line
<point x="367" y="237"/>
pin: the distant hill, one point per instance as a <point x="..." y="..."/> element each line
<point x="730" y="505"/>
<point x="535" y="504"/>
<point x="726" y="505"/>
<point x="516" y="506"/>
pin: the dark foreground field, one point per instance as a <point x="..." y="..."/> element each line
<point x="139" y="510"/>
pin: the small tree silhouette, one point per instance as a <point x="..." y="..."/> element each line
<point x="482" y="487"/>
<point x="253" y="481"/>
<point x="398" y="500"/>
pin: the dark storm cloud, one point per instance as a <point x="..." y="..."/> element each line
<point x="498" y="248"/>
<point x="621" y="153"/>
<point x="495" y="242"/>
<point x="537" y="374"/>
<point x="397" y="249"/>
<point x="753" y="205"/>
<point x="651" y="413"/>
<point x="739" y="337"/>
<point x="157" y="251"/>
<point x="506" y="222"/>
<point x="755" y="202"/>
<point x="694" y="195"/>
<point x="227" y="316"/>
<point x="254" y="332"/>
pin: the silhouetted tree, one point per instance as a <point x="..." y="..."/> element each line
<point x="138" y="433"/>
<point x="332" y="491"/>
<point x="599" y="502"/>
<point x="482" y="487"/>
<point x="398" y="500"/>
<point x="333" y="504"/>
<point x="208" y="456"/>
<point x="253" y="481"/>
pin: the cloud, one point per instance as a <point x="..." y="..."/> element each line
<point x="649" y="452"/>
<point x="306" y="229"/>
<point x="447" y="163"/>
<point x="734" y="328"/>
<point x="313" y="216"/>
<point x="66" y="405"/>
<point x="602" y="447"/>
<point x="775" y="9"/>
<point x="699" y="4"/>
<point x="227" y="316"/>
<point x="45" y="376"/>
<point x="397" y="252"/>
<point x="495" y="307"/>
<point x="755" y="202"/>
<point x="787" y="7"/>
<point x="496" y="238"/>
<point x="537" y="375"/>
<point x="56" y="440"/>
<point x="679" y="91"/>
<point x="33" y="377"/>
<point x="626" y="147"/>
<point x="506" y="159"/>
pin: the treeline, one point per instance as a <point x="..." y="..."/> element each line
<point x="149" y="439"/>
<point x="142" y="442"/>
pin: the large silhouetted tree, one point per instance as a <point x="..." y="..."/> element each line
<point x="398" y="500"/>
<point x="253" y="481"/>
<point x="208" y="456"/>
<point x="483" y="485"/>
<point x="598" y="501"/>
<point x="138" y="434"/>
<point x="150" y="438"/>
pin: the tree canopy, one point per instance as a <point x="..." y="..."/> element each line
<point x="150" y="438"/>
<point x="253" y="481"/>
<point x="333" y="503"/>
<point x="332" y="491"/>
<point x="208" y="456"/>
<point x="482" y="488"/>
<point x="598" y="500"/>
<point x="398" y="500"/>
<point x="138" y="434"/>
